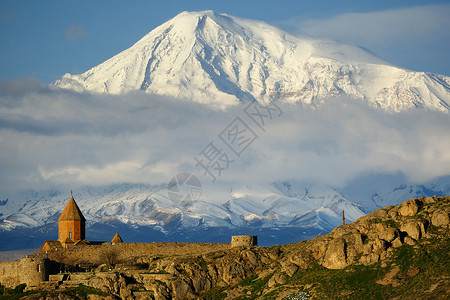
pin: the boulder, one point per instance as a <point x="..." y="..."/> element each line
<point x="393" y="212"/>
<point x="249" y="256"/>
<point x="367" y="248"/>
<point x="126" y="294"/>
<point x="181" y="289"/>
<point x="370" y="259"/>
<point x="409" y="241"/>
<point x="412" y="228"/>
<point x="379" y="246"/>
<point x="277" y="278"/>
<point x="429" y="200"/>
<point x="410" y="207"/>
<point x="440" y="218"/>
<point x="385" y="233"/>
<point x="107" y="282"/>
<point x="99" y="297"/>
<point x="161" y="292"/>
<point x="378" y="214"/>
<point x="396" y="243"/>
<point x="289" y="268"/>
<point x="335" y="256"/>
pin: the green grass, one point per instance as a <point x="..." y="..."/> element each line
<point x="431" y="259"/>
<point x="15" y="293"/>
<point x="161" y="282"/>
<point x="391" y="223"/>
<point x="252" y="288"/>
<point x="203" y="263"/>
<point x="216" y="293"/>
<point x="80" y="291"/>
<point x="253" y="285"/>
<point x="355" y="281"/>
<point x="139" y="287"/>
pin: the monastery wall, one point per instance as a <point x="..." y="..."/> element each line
<point x="30" y="270"/>
<point x="244" y="241"/>
<point x="95" y="254"/>
<point x="9" y="273"/>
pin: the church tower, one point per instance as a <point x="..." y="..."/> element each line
<point x="71" y="224"/>
<point x="116" y="239"/>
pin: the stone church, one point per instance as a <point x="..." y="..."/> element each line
<point x="72" y="229"/>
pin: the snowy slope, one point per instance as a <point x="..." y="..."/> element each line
<point x="141" y="205"/>
<point x="220" y="60"/>
<point x="281" y="204"/>
<point x="279" y="213"/>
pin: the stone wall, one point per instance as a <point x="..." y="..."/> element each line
<point x="30" y="270"/>
<point x="9" y="273"/>
<point x="244" y="241"/>
<point x="33" y="270"/>
<point x="94" y="254"/>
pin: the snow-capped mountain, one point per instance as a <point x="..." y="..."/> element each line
<point x="220" y="60"/>
<point x="143" y="205"/>
<point x="278" y="213"/>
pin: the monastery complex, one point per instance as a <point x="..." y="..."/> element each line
<point x="73" y="250"/>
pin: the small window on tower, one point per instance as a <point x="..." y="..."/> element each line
<point x="70" y="234"/>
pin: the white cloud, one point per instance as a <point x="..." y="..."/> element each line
<point x="382" y="26"/>
<point x="417" y="38"/>
<point x="58" y="138"/>
<point x="75" y="32"/>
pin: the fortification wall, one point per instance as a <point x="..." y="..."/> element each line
<point x="33" y="270"/>
<point x="244" y="241"/>
<point x="94" y="254"/>
<point x="30" y="270"/>
<point x="9" y="273"/>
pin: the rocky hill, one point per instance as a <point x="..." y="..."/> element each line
<point x="398" y="252"/>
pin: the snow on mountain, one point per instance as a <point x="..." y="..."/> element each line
<point x="374" y="192"/>
<point x="220" y="60"/>
<point x="141" y="205"/>
<point x="295" y="210"/>
<point x="281" y="204"/>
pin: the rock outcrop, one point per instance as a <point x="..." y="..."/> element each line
<point x="373" y="237"/>
<point x="370" y="239"/>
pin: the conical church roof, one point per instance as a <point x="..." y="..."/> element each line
<point x="116" y="239"/>
<point x="71" y="212"/>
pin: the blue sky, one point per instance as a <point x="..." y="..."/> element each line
<point x="46" y="39"/>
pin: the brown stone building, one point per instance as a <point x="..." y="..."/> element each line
<point x="71" y="224"/>
<point x="116" y="239"/>
<point x="71" y="228"/>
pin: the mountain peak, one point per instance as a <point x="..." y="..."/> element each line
<point x="196" y="15"/>
<point x="221" y="60"/>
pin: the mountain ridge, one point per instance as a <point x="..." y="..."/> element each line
<point x="220" y="60"/>
<point x="279" y="213"/>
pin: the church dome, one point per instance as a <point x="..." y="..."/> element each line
<point x="71" y="212"/>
